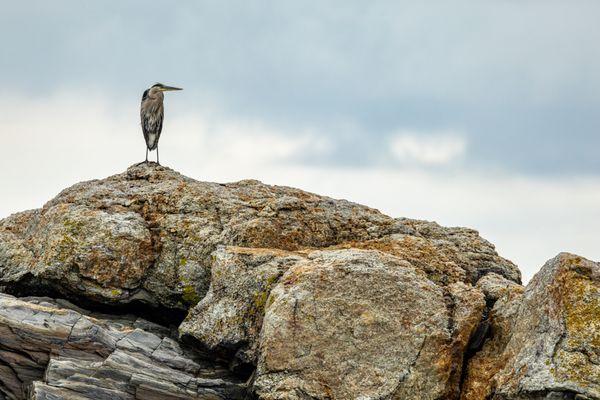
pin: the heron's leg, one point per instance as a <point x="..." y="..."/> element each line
<point x="157" y="161"/>
<point x="146" y="153"/>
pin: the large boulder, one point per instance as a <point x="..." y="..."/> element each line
<point x="546" y="341"/>
<point x="362" y="324"/>
<point x="229" y="318"/>
<point x="447" y="255"/>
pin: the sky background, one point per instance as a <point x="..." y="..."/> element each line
<point x="478" y="114"/>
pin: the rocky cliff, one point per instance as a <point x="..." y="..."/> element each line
<point x="151" y="285"/>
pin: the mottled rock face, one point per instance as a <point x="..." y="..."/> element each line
<point x="482" y="367"/>
<point x="547" y="340"/>
<point x="362" y="324"/>
<point x="496" y="287"/>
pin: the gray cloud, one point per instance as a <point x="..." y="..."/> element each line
<point x="521" y="80"/>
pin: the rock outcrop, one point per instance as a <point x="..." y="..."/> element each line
<point x="285" y="294"/>
<point x="546" y="339"/>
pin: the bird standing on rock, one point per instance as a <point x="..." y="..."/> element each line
<point x="152" y="113"/>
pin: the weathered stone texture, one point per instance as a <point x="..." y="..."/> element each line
<point x="229" y="318"/>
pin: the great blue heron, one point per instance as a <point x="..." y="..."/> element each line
<point x="151" y="114"/>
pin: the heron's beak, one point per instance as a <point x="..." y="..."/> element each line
<point x="169" y="88"/>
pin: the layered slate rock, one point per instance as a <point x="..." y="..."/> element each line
<point x="546" y="342"/>
<point x="53" y="350"/>
<point x="363" y="324"/>
<point x="148" y="234"/>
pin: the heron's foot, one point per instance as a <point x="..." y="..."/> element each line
<point x="143" y="162"/>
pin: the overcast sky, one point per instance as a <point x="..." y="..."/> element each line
<point x="479" y="114"/>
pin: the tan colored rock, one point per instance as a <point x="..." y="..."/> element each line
<point x="495" y="286"/>
<point x="447" y="255"/>
<point x="547" y="341"/>
<point x="363" y="324"/>
<point x="455" y="246"/>
<point x="227" y="319"/>
<point x="395" y="318"/>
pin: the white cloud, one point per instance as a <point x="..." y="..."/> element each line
<point x="427" y="148"/>
<point x="248" y="142"/>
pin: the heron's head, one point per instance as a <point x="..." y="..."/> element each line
<point x="164" y="88"/>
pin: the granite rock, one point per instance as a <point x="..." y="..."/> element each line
<point x="229" y="318"/>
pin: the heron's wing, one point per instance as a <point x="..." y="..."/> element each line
<point x="152" y="122"/>
<point x="145" y="130"/>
